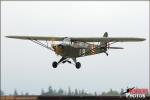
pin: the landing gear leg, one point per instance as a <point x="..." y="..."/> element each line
<point x="55" y="64"/>
<point x="77" y="64"/>
<point x="106" y="53"/>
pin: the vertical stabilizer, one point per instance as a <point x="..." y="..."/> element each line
<point x="104" y="44"/>
<point x="105" y="34"/>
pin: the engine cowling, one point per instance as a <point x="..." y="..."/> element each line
<point x="58" y="49"/>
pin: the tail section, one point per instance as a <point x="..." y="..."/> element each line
<point x="105" y="34"/>
<point x="104" y="44"/>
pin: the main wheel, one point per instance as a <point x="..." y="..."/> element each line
<point x="78" y="65"/>
<point x="54" y="64"/>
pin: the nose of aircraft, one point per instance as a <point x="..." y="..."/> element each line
<point x="58" y="49"/>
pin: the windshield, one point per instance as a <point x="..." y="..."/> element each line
<point x="66" y="41"/>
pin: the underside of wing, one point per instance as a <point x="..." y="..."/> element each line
<point x="42" y="38"/>
<point x="109" y="39"/>
<point x="82" y="39"/>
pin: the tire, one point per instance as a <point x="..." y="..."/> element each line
<point x="78" y="65"/>
<point x="54" y="64"/>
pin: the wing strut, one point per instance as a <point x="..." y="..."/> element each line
<point x="42" y="44"/>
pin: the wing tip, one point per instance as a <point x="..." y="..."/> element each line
<point x="142" y="39"/>
<point x="7" y="36"/>
<point x="17" y="37"/>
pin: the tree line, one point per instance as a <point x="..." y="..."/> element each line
<point x="61" y="92"/>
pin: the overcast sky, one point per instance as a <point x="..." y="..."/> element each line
<point x="27" y="66"/>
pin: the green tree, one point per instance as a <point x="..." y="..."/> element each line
<point x="103" y="94"/>
<point x="69" y="91"/>
<point x="15" y="93"/>
<point x="82" y="92"/>
<point x="42" y="92"/>
<point x="60" y="92"/>
<point x="26" y="94"/>
<point x="55" y="93"/>
<point x="110" y="93"/>
<point x="50" y="91"/>
<point x="76" y="92"/>
<point x="95" y="94"/>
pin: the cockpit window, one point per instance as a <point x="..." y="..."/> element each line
<point x="66" y="41"/>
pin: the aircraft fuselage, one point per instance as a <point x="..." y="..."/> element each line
<point x="69" y="51"/>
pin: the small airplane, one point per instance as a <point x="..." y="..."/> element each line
<point x="74" y="47"/>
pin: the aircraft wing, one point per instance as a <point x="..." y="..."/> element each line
<point x="82" y="39"/>
<point x="42" y="38"/>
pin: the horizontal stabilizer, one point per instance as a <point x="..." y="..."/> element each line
<point x="115" y="48"/>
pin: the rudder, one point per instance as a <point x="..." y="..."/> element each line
<point x="104" y="44"/>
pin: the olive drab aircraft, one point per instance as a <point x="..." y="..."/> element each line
<point x="75" y="47"/>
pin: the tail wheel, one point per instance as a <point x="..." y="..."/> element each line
<point x="78" y="65"/>
<point x="54" y="64"/>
